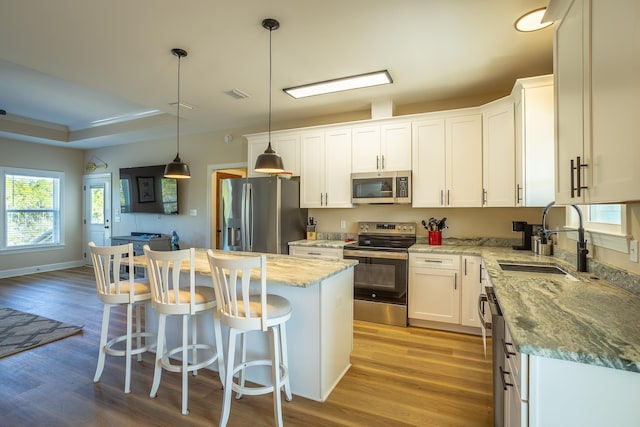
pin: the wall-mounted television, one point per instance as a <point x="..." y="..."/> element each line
<point x="144" y="189"/>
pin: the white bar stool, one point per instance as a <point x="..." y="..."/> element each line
<point x="170" y="299"/>
<point x="243" y="313"/>
<point x="112" y="291"/>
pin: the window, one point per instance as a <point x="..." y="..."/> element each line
<point x="606" y="224"/>
<point x="32" y="208"/>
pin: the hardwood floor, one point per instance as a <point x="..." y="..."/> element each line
<point x="400" y="376"/>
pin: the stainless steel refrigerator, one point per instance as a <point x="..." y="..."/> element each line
<point x="261" y="214"/>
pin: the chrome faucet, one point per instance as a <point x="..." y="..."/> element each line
<point x="581" y="248"/>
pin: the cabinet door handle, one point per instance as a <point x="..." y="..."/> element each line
<point x="484" y="197"/>
<point x="465" y="266"/>
<point x="441" y="197"/>
<point x="507" y="353"/>
<point x="382" y="162"/>
<point x="439" y="261"/>
<point x="455" y="281"/>
<point x="518" y="192"/>
<point x="377" y="162"/>
<point x="505" y="384"/>
<point x="576" y="184"/>
<point x="448" y="198"/>
<point x="326" y="199"/>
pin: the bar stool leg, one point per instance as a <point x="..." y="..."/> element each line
<point x="157" y="373"/>
<point x="103" y="342"/>
<point x="274" y="345"/>
<point x="285" y="360"/>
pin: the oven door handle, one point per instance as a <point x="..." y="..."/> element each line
<point x="375" y="254"/>
<point x="483" y="320"/>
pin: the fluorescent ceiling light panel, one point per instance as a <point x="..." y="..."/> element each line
<point x="532" y="21"/>
<point x="337" y="85"/>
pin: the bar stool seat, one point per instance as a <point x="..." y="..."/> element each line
<point x="113" y="291"/>
<point x="242" y="313"/>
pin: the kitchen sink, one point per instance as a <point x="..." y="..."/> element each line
<point x="535" y="270"/>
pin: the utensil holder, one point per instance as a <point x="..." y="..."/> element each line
<point x="435" y="237"/>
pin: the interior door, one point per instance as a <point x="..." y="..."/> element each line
<point x="97" y="211"/>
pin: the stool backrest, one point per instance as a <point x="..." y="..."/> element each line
<point x="231" y="277"/>
<point x="107" y="262"/>
<point x="163" y="269"/>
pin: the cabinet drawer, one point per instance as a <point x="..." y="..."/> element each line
<point x="517" y="364"/>
<point x="440" y="261"/>
<point x="323" y="253"/>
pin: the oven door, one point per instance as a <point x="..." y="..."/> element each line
<point x="380" y="276"/>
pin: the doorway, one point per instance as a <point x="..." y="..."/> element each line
<point x="215" y="221"/>
<point x="96" y="201"/>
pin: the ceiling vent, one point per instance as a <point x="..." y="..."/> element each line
<point x="237" y="94"/>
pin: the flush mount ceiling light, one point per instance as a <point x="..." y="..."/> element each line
<point x="532" y="21"/>
<point x="375" y="78"/>
<point x="178" y="169"/>
<point x="269" y="161"/>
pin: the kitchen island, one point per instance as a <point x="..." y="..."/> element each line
<point x="319" y="333"/>
<point x="579" y="340"/>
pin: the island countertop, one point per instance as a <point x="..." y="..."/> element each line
<point x="589" y="321"/>
<point x="281" y="269"/>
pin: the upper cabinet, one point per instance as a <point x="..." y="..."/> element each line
<point x="498" y="154"/>
<point x="447" y="161"/>
<point x="533" y="100"/>
<point x="596" y="69"/>
<point x="285" y="144"/>
<point x="325" y="181"/>
<point x="381" y="147"/>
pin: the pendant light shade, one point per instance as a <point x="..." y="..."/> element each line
<point x="269" y="161"/>
<point x="177" y="168"/>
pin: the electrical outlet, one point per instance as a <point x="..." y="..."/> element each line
<point x="633" y="250"/>
<point x="343" y="224"/>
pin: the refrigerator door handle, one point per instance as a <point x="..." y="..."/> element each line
<point x="250" y="217"/>
<point x="243" y="217"/>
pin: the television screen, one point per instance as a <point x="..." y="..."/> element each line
<point x="144" y="189"/>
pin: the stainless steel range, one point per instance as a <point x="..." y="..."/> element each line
<point x="381" y="277"/>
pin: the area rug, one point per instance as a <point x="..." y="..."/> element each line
<point x="21" y="331"/>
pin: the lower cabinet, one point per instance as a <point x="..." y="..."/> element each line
<point x="315" y="252"/>
<point x="471" y="289"/>
<point x="444" y="288"/>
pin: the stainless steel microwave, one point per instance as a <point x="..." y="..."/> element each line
<point x="381" y="187"/>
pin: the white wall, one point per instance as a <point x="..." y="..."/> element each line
<point x="37" y="156"/>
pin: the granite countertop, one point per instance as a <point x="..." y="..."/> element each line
<point x="334" y="244"/>
<point x="281" y="269"/>
<point x="588" y="321"/>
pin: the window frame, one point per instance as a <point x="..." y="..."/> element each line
<point x="609" y="236"/>
<point x="59" y="203"/>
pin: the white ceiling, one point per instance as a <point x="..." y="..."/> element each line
<point x="66" y="63"/>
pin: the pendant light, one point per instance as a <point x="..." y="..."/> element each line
<point x="178" y="169"/>
<point x="269" y="161"/>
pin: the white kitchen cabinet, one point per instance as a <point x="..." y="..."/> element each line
<point x="515" y="376"/>
<point x="381" y="147"/>
<point x="498" y="154"/>
<point x="315" y="252"/>
<point x="596" y="64"/>
<point x="548" y="392"/>
<point x="447" y="161"/>
<point x="285" y="144"/>
<point x="471" y="288"/>
<point x="534" y="124"/>
<point x="434" y="287"/>
<point x="325" y="180"/>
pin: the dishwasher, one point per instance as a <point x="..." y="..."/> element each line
<point x="497" y="347"/>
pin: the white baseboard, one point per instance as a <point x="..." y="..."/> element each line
<point x="40" y="268"/>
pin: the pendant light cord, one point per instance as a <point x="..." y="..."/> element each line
<point x="270" y="78"/>
<point x="178" y="113"/>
